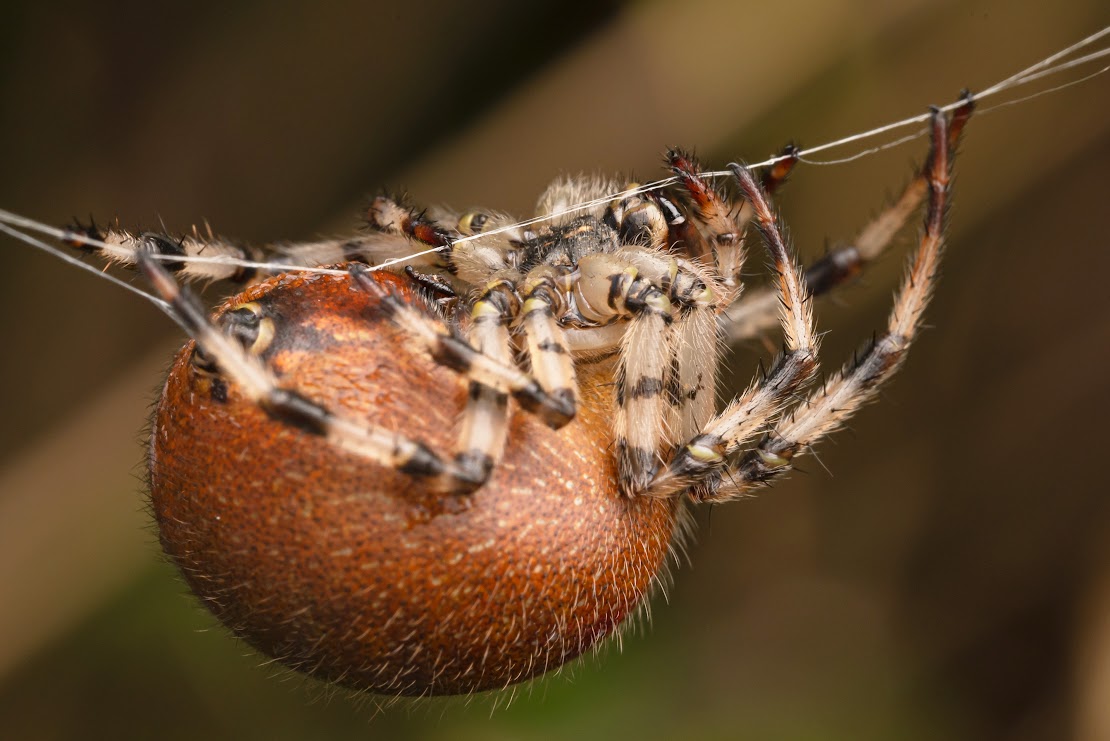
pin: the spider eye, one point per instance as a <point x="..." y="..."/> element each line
<point x="473" y="222"/>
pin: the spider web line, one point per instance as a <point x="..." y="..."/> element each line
<point x="11" y="223"/>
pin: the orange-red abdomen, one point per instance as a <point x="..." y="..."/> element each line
<point x="361" y="575"/>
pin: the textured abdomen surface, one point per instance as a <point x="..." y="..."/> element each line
<point x="359" y="574"/>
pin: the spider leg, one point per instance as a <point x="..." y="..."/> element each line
<point x="642" y="404"/>
<point x="552" y="364"/>
<point x="120" y="246"/>
<point x="756" y="313"/>
<point x="653" y="291"/>
<point x="485" y="421"/>
<point x="396" y="233"/>
<point x="609" y="287"/>
<point x="289" y="406"/>
<point x="694" y="373"/>
<point x="858" y="382"/>
<point x="705" y="454"/>
<point x="451" y="351"/>
<point x="691" y="379"/>
<point x="463" y="247"/>
<point x="477" y="255"/>
<point x="224" y="258"/>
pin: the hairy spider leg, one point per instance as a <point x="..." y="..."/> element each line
<point x="692" y="387"/>
<point x="452" y="351"/>
<point x="758" y="312"/>
<point x="485" y="420"/>
<point x="690" y="378"/>
<point x="701" y="459"/>
<point x="858" y="381"/>
<point x="552" y="364"/>
<point x="223" y="259"/>
<point x="288" y="406"/>
<point x="774" y="177"/>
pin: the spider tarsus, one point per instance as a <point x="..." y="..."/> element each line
<point x="775" y="176"/>
<point x="77" y="235"/>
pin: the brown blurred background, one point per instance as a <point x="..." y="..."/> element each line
<point x="950" y="578"/>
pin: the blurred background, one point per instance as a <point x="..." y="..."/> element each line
<point x="944" y="574"/>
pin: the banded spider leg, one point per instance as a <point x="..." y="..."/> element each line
<point x="700" y="465"/>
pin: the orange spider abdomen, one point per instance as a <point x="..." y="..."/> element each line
<point x="361" y="575"/>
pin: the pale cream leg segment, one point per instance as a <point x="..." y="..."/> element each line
<point x="208" y="257"/>
<point x="289" y="407"/>
<point x="642" y="404"/>
<point x="485" y="421"/>
<point x="611" y="286"/>
<point x="757" y="312"/>
<point x="455" y="353"/>
<point x="704" y="455"/>
<point x="859" y="382"/>
<point x="552" y="363"/>
<point x="696" y="354"/>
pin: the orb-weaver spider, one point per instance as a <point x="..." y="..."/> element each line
<point x="297" y="462"/>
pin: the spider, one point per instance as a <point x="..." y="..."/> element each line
<point x="304" y="470"/>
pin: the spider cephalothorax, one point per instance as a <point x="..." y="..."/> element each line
<point x="299" y="463"/>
